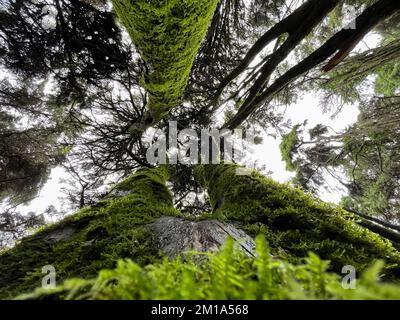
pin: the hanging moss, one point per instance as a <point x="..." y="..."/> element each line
<point x="293" y="222"/>
<point x="93" y="239"/>
<point x="168" y="34"/>
<point x="288" y="146"/>
<point x="229" y="274"/>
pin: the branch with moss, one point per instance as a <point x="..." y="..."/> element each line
<point x="356" y="68"/>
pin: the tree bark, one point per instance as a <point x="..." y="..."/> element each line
<point x="174" y="236"/>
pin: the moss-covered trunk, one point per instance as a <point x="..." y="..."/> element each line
<point x="168" y="35"/>
<point x="131" y="225"/>
<point x="94" y="238"/>
<point x="293" y="222"/>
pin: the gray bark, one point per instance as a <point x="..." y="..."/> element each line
<point x="175" y="236"/>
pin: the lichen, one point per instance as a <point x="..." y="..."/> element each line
<point x="115" y="229"/>
<point x="294" y="222"/>
<point x="168" y="35"/>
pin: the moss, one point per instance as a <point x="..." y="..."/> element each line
<point x="288" y="147"/>
<point x="168" y="35"/>
<point x="97" y="237"/>
<point x="294" y="222"/>
<point x="229" y="274"/>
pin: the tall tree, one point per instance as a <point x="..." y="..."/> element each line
<point x="364" y="158"/>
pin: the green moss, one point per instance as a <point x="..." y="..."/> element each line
<point x="229" y="274"/>
<point x="168" y="35"/>
<point x="293" y="222"/>
<point x="96" y="237"/>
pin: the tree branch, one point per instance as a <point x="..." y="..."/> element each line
<point x="343" y="39"/>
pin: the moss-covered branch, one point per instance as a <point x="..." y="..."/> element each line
<point x="293" y="222"/>
<point x="168" y="34"/>
<point x="94" y="238"/>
